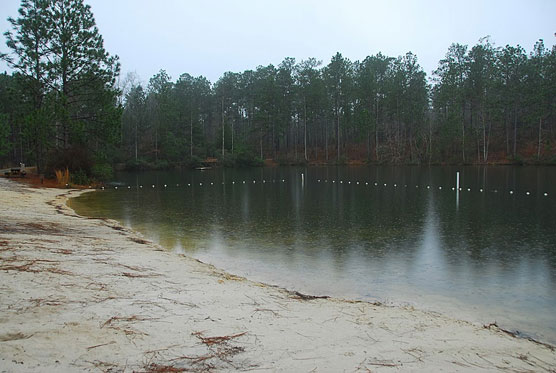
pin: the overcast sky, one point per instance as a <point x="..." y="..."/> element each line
<point x="210" y="37"/>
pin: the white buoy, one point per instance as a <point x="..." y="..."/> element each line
<point x="480" y="190"/>
<point x="141" y="186"/>
<point x="264" y="181"/>
<point x="333" y="181"/>
<point x="116" y="187"/>
<point x="165" y="186"/>
<point x="546" y="194"/>
<point x="128" y="187"/>
<point x="384" y="184"/>
<point x="357" y="183"/>
<point x="102" y="188"/>
<point x="201" y="184"/>
<point x="243" y="181"/>
<point x="511" y="192"/>
<point x="283" y="180"/>
<point x="211" y="183"/>
<point x="395" y="185"/>
<point x="527" y="193"/>
<point x="177" y="185"/>
<point x="188" y="184"/>
<point x="469" y="189"/>
<point x="453" y="188"/>
<point x="233" y="182"/>
<point x="440" y="188"/>
<point x="318" y="181"/>
<point x="349" y="182"/>
<point x="376" y="184"/>
<point x="153" y="185"/>
<point x="366" y="183"/>
<point x="341" y="181"/>
<point x="428" y="186"/>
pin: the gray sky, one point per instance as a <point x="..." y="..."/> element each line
<point x="209" y="37"/>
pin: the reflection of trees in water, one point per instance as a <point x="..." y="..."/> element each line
<point x="489" y="232"/>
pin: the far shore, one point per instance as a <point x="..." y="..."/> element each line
<point x="89" y="294"/>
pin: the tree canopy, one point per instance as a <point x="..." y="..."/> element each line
<point x="482" y="104"/>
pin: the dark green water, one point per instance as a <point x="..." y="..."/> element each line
<point x="483" y="256"/>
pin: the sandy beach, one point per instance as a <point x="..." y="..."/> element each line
<point x="79" y="294"/>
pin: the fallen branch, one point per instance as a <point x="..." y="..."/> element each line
<point x="100" y="345"/>
<point x="216" y="340"/>
<point x="301" y="296"/>
<point x="125" y="319"/>
<point x="135" y="275"/>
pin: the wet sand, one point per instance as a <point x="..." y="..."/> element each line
<point x="88" y="294"/>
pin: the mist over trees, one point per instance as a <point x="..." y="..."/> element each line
<point x="66" y="106"/>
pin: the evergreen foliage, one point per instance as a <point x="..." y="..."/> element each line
<point x="61" y="108"/>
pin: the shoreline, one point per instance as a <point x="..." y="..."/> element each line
<point x="82" y="293"/>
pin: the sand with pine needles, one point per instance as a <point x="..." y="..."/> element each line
<point x="80" y="294"/>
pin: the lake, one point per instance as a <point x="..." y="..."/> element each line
<point x="398" y="235"/>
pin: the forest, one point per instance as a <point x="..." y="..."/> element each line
<point x="66" y="105"/>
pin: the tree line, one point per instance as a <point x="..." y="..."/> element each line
<point x="63" y="105"/>
<point x="483" y="104"/>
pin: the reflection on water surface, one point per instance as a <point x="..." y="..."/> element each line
<point x="396" y="234"/>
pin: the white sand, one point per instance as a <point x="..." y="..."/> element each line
<point x="86" y="294"/>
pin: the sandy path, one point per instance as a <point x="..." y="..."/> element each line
<point x="86" y="294"/>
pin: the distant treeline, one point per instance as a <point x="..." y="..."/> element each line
<point x="483" y="104"/>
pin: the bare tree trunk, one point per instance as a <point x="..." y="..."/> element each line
<point x="488" y="140"/>
<point x="540" y="138"/>
<point x="136" y="140"/>
<point x="295" y="135"/>
<point x="515" y="134"/>
<point x="261" y="142"/>
<point x="191" y="134"/>
<point x="507" y="134"/>
<point x="463" y="133"/>
<point x="222" y="128"/>
<point x="326" y="139"/>
<point x="484" y="139"/>
<point x="338" y="132"/>
<point x="305" y="128"/>
<point x="156" y="143"/>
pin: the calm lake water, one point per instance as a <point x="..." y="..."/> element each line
<point x="399" y="235"/>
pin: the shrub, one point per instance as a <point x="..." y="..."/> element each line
<point x="137" y="165"/>
<point x="194" y="162"/>
<point x="161" y="165"/>
<point x="80" y="178"/>
<point x="74" y="159"/>
<point x="102" y="171"/>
